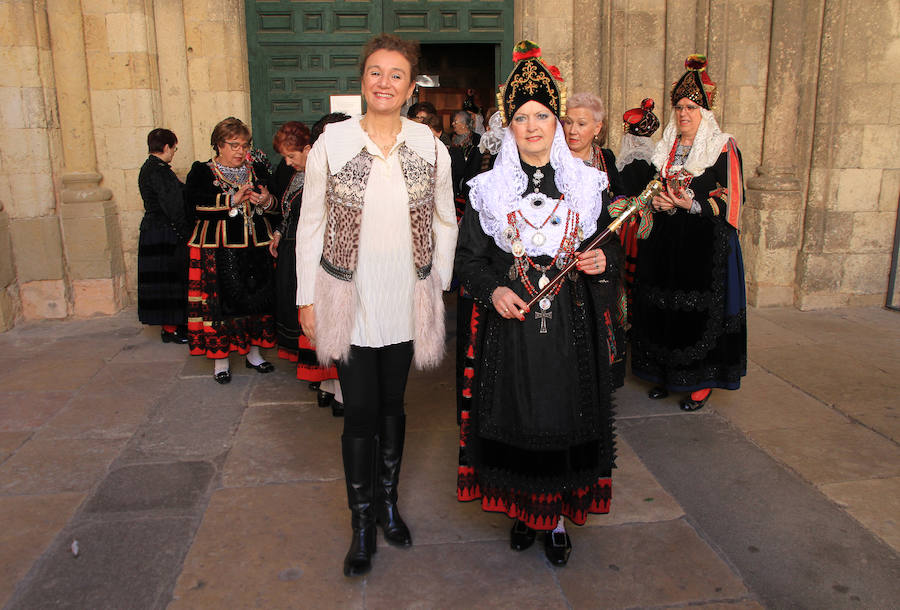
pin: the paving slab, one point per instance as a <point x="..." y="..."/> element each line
<point x="631" y="401"/>
<point x="57" y="374"/>
<point x="173" y="486"/>
<point x="824" y="374"/>
<point x="115" y="403"/>
<point x="767" y="333"/>
<point x="196" y="419"/>
<point x="148" y="347"/>
<point x="427" y="494"/>
<point x="277" y="546"/>
<point x="792" y="546"/>
<point x="30" y="409"/>
<point x="885" y="422"/>
<point x="453" y="576"/>
<point x="121" y="564"/>
<point x="874" y="502"/>
<point x="280" y="387"/>
<point x="10" y="442"/>
<point x="767" y="402"/>
<point x="832" y="452"/>
<point x="637" y="496"/>
<point x="53" y="466"/>
<point x="284" y="443"/>
<point x="646" y="565"/>
<point x="431" y="399"/>
<point x="29" y="524"/>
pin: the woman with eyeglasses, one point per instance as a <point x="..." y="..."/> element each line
<point x="690" y="325"/>
<point x="231" y="294"/>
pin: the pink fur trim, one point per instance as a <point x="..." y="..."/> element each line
<point x="429" y="322"/>
<point x="335" y="314"/>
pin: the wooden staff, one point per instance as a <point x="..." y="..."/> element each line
<point x="636" y="203"/>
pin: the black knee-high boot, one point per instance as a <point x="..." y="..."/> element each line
<point x="391" y="432"/>
<point x="359" y="457"/>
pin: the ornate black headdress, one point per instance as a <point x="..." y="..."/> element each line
<point x="641" y="121"/>
<point x="695" y="84"/>
<point x="531" y="79"/>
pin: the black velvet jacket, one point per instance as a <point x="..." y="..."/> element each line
<point x="214" y="227"/>
<point x="163" y="196"/>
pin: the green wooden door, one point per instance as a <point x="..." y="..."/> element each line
<point x="301" y="53"/>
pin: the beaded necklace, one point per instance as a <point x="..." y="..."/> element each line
<point x="230" y="179"/>
<point x="680" y="179"/>
<point x="571" y="234"/>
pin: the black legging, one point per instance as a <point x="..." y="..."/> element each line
<point x="373" y="381"/>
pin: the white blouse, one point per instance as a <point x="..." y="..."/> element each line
<point x="385" y="275"/>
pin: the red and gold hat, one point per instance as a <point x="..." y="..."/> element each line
<point x="641" y="121"/>
<point x="531" y="79"/>
<point x="695" y="84"/>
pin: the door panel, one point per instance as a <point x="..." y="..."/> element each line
<point x="302" y="52"/>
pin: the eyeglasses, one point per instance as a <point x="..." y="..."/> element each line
<point x="685" y="108"/>
<point x="239" y="145"/>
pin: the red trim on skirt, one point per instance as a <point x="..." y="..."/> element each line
<point x="218" y="338"/>
<point x="307" y="372"/>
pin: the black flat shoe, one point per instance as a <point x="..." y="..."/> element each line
<point x="689" y="404"/>
<point x="314" y="386"/>
<point x="262" y="367"/>
<point x="557" y="547"/>
<point x="324" y="398"/>
<point x="657" y="393"/>
<point x="521" y="536"/>
<point x="222" y="377"/>
<point x="175" y="337"/>
<point x="337" y="409"/>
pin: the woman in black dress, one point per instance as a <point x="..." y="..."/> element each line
<point x="231" y="298"/>
<point x="690" y="324"/>
<point x="162" y="245"/>
<point x="293" y="141"/>
<point x="536" y="438"/>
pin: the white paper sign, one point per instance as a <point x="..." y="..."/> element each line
<point x="348" y="104"/>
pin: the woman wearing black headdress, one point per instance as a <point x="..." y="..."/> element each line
<point x="690" y="324"/>
<point x="536" y="436"/>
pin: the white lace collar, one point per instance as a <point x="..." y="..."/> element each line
<point x="707" y="146"/>
<point x="496" y="193"/>
<point x="345" y="139"/>
<point x="634" y="148"/>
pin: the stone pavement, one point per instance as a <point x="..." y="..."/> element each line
<point x="185" y="494"/>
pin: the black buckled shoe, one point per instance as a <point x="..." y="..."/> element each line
<point x="324" y="398"/>
<point x="657" y="393"/>
<point x="314" y="386"/>
<point x="222" y="377"/>
<point x="337" y="409"/>
<point x="262" y="367"/>
<point x="557" y="547"/>
<point x="689" y="404"/>
<point x="521" y="536"/>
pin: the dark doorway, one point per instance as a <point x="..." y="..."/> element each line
<point x="460" y="67"/>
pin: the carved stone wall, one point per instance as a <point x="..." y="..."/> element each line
<point x="809" y="88"/>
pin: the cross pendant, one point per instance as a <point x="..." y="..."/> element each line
<point x="543" y="316"/>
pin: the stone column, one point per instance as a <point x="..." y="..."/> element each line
<point x="773" y="218"/>
<point x="174" y="83"/>
<point x="10" y="303"/>
<point x="91" y="233"/>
